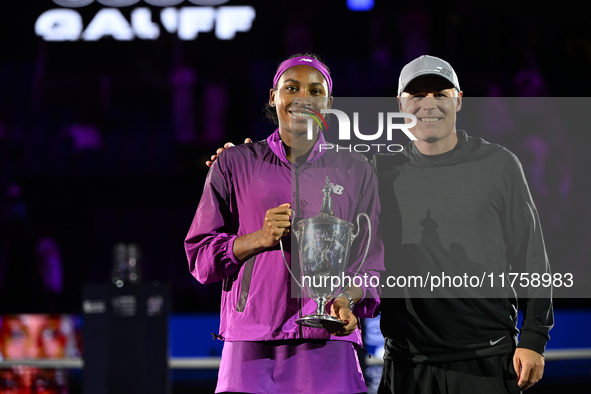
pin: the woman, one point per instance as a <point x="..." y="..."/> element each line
<point x="250" y="194"/>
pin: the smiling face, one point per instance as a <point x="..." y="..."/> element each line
<point x="300" y="87"/>
<point x="434" y="103"/>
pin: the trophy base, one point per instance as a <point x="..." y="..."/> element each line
<point x="315" y="321"/>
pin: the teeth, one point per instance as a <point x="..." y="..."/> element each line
<point x="300" y="115"/>
<point x="429" y="120"/>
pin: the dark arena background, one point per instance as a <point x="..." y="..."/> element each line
<point x="109" y="110"/>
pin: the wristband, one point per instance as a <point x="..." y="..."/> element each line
<point x="351" y="302"/>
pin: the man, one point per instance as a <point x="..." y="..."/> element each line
<point x="456" y="204"/>
<point x="447" y="190"/>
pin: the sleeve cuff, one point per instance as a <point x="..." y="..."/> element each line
<point x="368" y="306"/>
<point x="230" y="251"/>
<point x="532" y="341"/>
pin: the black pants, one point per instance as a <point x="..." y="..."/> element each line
<point x="487" y="375"/>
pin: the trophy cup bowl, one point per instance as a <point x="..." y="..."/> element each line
<point x="324" y="242"/>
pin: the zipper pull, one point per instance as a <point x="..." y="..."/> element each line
<point x="366" y="352"/>
<point x="219" y="337"/>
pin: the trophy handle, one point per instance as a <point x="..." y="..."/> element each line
<point x="289" y="269"/>
<point x="368" y="241"/>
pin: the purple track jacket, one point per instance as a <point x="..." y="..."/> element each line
<point x="243" y="183"/>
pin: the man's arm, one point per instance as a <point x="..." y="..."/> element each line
<point x="527" y="254"/>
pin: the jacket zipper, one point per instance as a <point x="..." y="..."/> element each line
<point x="297" y="176"/>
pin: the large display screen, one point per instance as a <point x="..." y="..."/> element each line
<point x="37" y="336"/>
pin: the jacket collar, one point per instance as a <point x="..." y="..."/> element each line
<point x="276" y="145"/>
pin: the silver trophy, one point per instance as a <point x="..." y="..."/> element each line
<point x="324" y="242"/>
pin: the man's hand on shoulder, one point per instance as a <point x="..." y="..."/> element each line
<point x="227" y="145"/>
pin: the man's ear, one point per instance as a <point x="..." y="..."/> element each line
<point x="459" y="101"/>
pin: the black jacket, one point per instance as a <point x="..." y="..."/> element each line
<point x="464" y="213"/>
